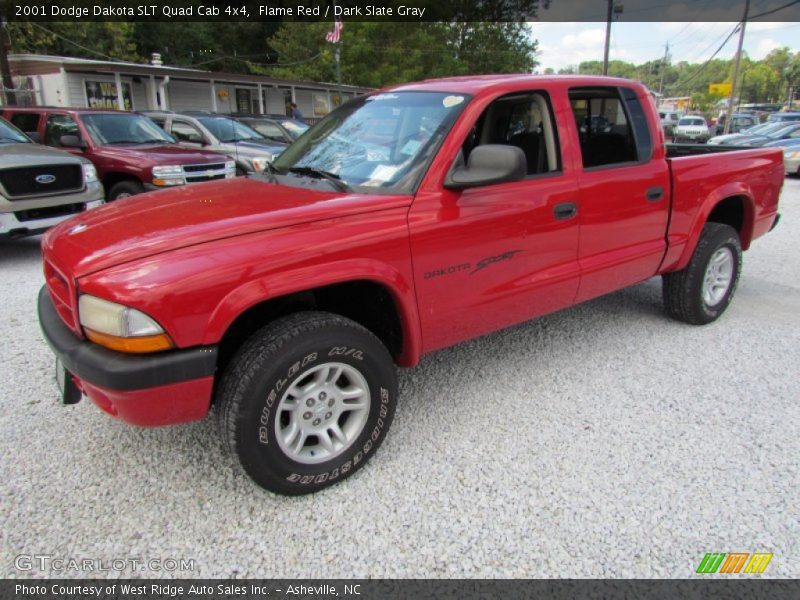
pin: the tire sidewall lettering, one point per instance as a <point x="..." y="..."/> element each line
<point x="369" y="438"/>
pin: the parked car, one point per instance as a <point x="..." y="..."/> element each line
<point x="40" y="186"/>
<point x="755" y="131"/>
<point x="739" y="122"/>
<point x="777" y="117"/>
<point x="290" y="297"/>
<point x="691" y="129"/>
<point x="787" y="130"/>
<point x="791" y="154"/>
<point x="130" y="153"/>
<point x="669" y="119"/>
<point x="276" y="128"/>
<point x="249" y="149"/>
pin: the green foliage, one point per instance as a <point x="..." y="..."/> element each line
<point x="378" y="54"/>
<point x="96" y="40"/>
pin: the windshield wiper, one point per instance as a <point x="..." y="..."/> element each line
<point x="334" y="179"/>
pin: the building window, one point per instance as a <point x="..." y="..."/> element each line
<point x="103" y="94"/>
<point x="321" y="107"/>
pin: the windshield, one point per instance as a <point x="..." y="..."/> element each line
<point x="380" y="142"/>
<point x="692" y="121"/>
<point x="120" y="128"/>
<point x="294" y="128"/>
<point x="782" y="131"/>
<point x="229" y="130"/>
<point x="10" y="134"/>
<point x="757" y="129"/>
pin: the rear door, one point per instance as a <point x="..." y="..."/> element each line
<point x="624" y="190"/>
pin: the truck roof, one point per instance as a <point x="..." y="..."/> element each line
<point x="474" y="84"/>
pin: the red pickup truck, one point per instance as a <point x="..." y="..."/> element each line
<point x="130" y="152"/>
<point x="405" y="221"/>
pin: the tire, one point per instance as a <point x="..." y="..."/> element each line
<point x="689" y="294"/>
<point x="123" y="189"/>
<point x="283" y="379"/>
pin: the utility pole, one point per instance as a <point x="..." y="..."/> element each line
<point x="608" y="35"/>
<point x="663" y="68"/>
<point x="5" y="48"/>
<point x="729" y="116"/>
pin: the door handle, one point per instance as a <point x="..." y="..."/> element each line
<point x="565" y="210"/>
<point x="654" y="194"/>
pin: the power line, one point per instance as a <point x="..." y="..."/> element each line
<point x="707" y="62"/>
<point x="774" y="10"/>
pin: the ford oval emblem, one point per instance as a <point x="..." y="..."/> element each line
<point x="45" y="178"/>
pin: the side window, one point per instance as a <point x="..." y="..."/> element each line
<point x="26" y="122"/>
<point x="185" y="132"/>
<point x="58" y="125"/>
<point x="270" y="131"/>
<point x="160" y="121"/>
<point x="524" y="120"/>
<point x="605" y="133"/>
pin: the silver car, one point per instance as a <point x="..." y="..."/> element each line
<point x="691" y="129"/>
<point x="251" y="150"/>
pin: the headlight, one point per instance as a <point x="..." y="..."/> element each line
<point x="89" y="173"/>
<point x="794" y="154"/>
<point x="260" y="163"/>
<point x="230" y="169"/>
<point x="168" y="175"/>
<point x="119" y="327"/>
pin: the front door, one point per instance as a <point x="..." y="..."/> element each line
<point x="491" y="256"/>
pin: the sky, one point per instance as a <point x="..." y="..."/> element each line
<point x="565" y="44"/>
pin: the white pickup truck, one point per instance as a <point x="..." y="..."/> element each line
<point x="41" y="186"/>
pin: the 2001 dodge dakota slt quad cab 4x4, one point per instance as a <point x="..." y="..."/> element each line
<point x="403" y="222"/>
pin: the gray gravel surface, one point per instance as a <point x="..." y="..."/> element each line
<point x="602" y="441"/>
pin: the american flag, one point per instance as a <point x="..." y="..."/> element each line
<point x="334" y="36"/>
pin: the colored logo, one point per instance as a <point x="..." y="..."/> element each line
<point x="734" y="562"/>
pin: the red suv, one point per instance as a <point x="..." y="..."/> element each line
<point x="130" y="152"/>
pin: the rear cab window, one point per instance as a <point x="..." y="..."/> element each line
<point x="612" y="127"/>
<point x="26" y="122"/>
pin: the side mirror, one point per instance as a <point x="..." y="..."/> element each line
<point x="71" y="141"/>
<point x="35" y="137"/>
<point x="488" y="164"/>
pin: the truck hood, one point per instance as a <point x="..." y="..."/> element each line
<point x="161" y="154"/>
<point x="148" y="224"/>
<point x="28" y="155"/>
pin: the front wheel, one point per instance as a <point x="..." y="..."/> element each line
<point x="124" y="189"/>
<point x="702" y="291"/>
<point x="306" y="401"/>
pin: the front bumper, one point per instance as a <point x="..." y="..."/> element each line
<point x="148" y="390"/>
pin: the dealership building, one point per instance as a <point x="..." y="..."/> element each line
<point x="79" y="82"/>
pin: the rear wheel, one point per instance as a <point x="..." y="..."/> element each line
<point x="124" y="189"/>
<point x="306" y="401"/>
<point x="702" y="291"/>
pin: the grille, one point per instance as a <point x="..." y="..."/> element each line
<point x="49" y="212"/>
<point x="21" y="182"/>
<point x="60" y="293"/>
<point x="199" y="178"/>
<point x="209" y="167"/>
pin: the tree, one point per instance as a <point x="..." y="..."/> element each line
<point x="378" y="54"/>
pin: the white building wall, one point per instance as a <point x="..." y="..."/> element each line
<point x="52" y="91"/>
<point x="190" y="95"/>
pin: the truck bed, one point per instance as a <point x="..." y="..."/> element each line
<point x="700" y="181"/>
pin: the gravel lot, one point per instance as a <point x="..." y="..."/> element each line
<point x="602" y="441"/>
